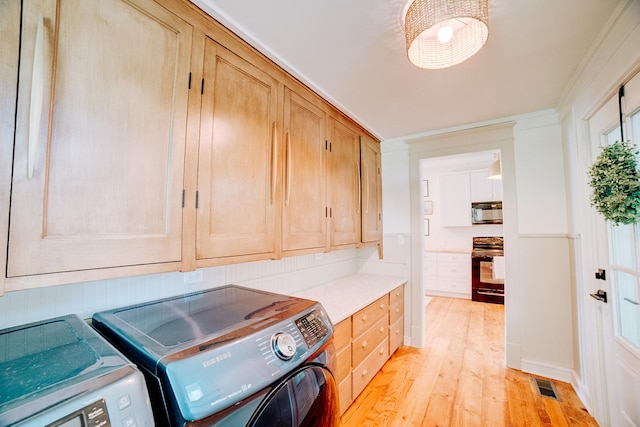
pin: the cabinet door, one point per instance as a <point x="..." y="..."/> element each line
<point x="371" y="190"/>
<point x="9" y="52"/>
<point x="304" y="221"/>
<point x="100" y="136"/>
<point x="455" y="199"/>
<point x="237" y="158"/>
<point x="344" y="173"/>
<point x="484" y="189"/>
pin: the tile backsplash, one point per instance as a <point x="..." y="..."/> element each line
<point x="288" y="275"/>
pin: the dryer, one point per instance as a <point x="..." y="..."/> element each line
<point x="231" y="356"/>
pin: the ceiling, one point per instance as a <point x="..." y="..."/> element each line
<point x="352" y="52"/>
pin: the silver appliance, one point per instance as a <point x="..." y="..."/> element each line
<point x="486" y="286"/>
<point x="231" y="356"/>
<point x="61" y="373"/>
<point x="486" y="212"/>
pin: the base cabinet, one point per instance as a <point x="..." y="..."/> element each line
<point x="448" y="274"/>
<point x="365" y="341"/>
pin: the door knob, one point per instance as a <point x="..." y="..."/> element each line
<point x="600" y="295"/>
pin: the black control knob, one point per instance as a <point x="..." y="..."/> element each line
<point x="284" y="345"/>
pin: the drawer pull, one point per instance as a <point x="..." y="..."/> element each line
<point x="381" y="329"/>
<point x="364" y="317"/>
<point x="364" y="344"/>
<point x="381" y="305"/>
<point x="381" y="351"/>
<point x="364" y="373"/>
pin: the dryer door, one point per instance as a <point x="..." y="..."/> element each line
<point x="308" y="397"/>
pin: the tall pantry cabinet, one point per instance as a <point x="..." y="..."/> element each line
<point x="149" y="138"/>
<point x="99" y="146"/>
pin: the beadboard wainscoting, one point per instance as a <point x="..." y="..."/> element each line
<point x="287" y="275"/>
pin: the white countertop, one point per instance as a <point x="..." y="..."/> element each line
<point x="343" y="297"/>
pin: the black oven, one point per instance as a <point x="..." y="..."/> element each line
<point x="487" y="274"/>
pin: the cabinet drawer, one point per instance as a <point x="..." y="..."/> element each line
<point x="367" y="342"/>
<point x="455" y="284"/>
<point x="396" y="311"/>
<point x="396" y="296"/>
<point x="431" y="256"/>
<point x="369" y="315"/>
<point x="343" y="360"/>
<point x="430" y="268"/>
<point x="454" y="269"/>
<point x="396" y="335"/>
<point x="369" y="367"/>
<point x="342" y="333"/>
<point x="453" y="257"/>
<point x="344" y="394"/>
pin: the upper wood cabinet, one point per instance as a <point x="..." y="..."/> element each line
<point x="9" y="52"/>
<point x="100" y="136"/>
<point x="344" y="182"/>
<point x="304" y="219"/>
<point x="371" y="190"/>
<point x="237" y="158"/>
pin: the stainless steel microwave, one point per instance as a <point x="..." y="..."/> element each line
<point x="486" y="212"/>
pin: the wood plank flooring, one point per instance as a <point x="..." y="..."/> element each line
<point x="460" y="379"/>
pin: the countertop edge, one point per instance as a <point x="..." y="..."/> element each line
<point x="343" y="297"/>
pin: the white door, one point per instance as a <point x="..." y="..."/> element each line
<point x="618" y="254"/>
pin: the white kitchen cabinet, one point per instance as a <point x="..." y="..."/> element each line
<point x="484" y="189"/>
<point x="100" y="136"/>
<point x="447" y="274"/>
<point x="455" y="199"/>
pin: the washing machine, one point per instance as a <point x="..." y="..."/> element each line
<point x="231" y="356"/>
<point x="61" y="373"/>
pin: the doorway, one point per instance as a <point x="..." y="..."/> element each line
<point x="449" y="187"/>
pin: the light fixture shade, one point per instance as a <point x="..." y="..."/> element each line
<point x="469" y="20"/>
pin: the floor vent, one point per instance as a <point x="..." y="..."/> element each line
<point x="546" y="388"/>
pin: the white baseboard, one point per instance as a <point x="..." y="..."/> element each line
<point x="549" y="371"/>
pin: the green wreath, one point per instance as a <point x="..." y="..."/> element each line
<point x="615" y="181"/>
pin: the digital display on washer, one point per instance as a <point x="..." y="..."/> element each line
<point x="312" y="328"/>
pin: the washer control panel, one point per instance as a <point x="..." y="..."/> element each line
<point x="312" y="327"/>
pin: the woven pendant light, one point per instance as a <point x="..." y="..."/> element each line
<point x="442" y="33"/>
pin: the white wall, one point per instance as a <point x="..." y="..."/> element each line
<point x="535" y="140"/>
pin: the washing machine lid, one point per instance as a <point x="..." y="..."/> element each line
<point x="171" y="328"/>
<point x="46" y="362"/>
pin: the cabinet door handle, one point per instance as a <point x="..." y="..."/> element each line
<point x="627" y="299"/>
<point x="366" y="186"/>
<point x="274" y="160"/>
<point x="286" y="200"/>
<point x="37" y="95"/>
<point x="359" y="180"/>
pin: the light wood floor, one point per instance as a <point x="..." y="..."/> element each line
<point x="460" y="379"/>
